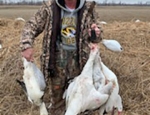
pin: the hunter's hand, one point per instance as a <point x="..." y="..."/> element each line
<point x="97" y="30"/>
<point x="28" y="54"/>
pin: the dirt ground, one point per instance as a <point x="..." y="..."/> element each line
<point x="132" y="66"/>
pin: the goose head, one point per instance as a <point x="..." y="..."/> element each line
<point x="119" y="105"/>
<point x="94" y="50"/>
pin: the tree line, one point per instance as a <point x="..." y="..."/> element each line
<point x="20" y="2"/>
<point x="40" y="2"/>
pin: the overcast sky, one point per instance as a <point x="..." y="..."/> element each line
<point x="127" y="1"/>
<point x="101" y="1"/>
<point x="124" y="1"/>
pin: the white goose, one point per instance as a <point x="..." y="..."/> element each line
<point x="112" y="45"/>
<point x="34" y="84"/>
<point x="112" y="100"/>
<point x="81" y="94"/>
<point x="118" y="104"/>
<point x="98" y="76"/>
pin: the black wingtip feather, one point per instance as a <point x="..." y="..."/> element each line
<point x="22" y="84"/>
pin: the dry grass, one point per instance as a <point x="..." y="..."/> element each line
<point x="13" y="12"/>
<point x="123" y="13"/>
<point x="132" y="66"/>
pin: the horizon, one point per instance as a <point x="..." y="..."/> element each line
<point x="98" y="1"/>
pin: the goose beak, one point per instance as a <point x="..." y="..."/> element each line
<point x="119" y="112"/>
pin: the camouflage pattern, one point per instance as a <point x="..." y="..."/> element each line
<point x="42" y="21"/>
<point x="67" y="66"/>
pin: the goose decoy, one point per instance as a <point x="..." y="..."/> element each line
<point x="20" y="19"/>
<point x="112" y="45"/>
<point x="0" y="44"/>
<point x="103" y="22"/>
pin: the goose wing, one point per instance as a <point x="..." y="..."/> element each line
<point x="39" y="76"/>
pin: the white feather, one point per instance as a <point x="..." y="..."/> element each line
<point x="112" y="100"/>
<point x="35" y="85"/>
<point x="20" y="19"/>
<point x="81" y="93"/>
<point x="0" y="46"/>
<point x="43" y="110"/>
<point x="98" y="76"/>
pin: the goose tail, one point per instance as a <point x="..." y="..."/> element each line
<point x="43" y="110"/>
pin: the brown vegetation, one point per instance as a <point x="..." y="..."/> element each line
<point x="132" y="66"/>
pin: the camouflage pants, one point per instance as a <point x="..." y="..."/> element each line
<point x="66" y="68"/>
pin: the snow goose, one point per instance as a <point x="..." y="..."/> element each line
<point x="112" y="45"/>
<point x="34" y="84"/>
<point x="81" y="94"/>
<point x="112" y="101"/>
<point x="98" y="76"/>
<point x="119" y="105"/>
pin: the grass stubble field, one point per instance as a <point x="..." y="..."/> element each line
<point x="107" y="13"/>
<point x="132" y="66"/>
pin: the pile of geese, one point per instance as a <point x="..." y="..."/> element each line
<point x="95" y="88"/>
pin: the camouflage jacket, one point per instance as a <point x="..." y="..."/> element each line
<point x="42" y="21"/>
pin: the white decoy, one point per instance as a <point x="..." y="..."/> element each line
<point x="34" y="84"/>
<point x="112" y="45"/>
<point x="20" y="19"/>
<point x="112" y="100"/>
<point x="81" y="94"/>
<point x="103" y="22"/>
<point x="0" y="46"/>
<point x="137" y="21"/>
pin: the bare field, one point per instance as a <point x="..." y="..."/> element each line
<point x="106" y="13"/>
<point x="123" y="13"/>
<point x="13" y="12"/>
<point x="132" y="66"/>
